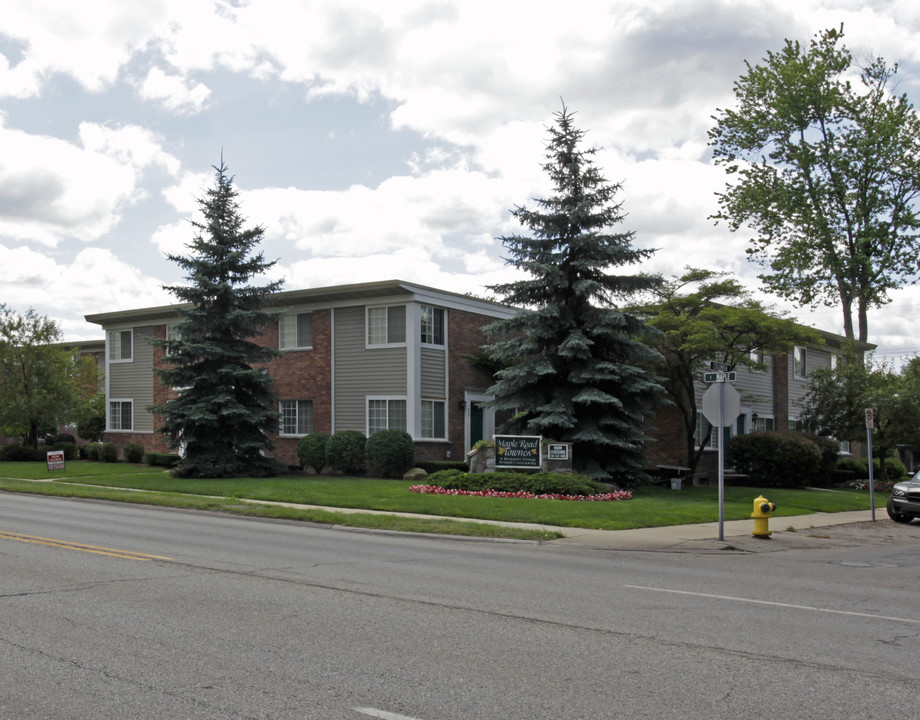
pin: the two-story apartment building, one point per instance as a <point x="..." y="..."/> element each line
<point x="770" y="400"/>
<point x="367" y="357"/>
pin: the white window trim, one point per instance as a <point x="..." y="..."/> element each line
<point x="443" y="403"/>
<point x="388" y="398"/>
<point x="433" y="309"/>
<point x="756" y="356"/>
<point x="796" y="351"/>
<point x="110" y="346"/>
<point x="294" y="314"/>
<point x="367" y="320"/>
<point x="281" y="432"/>
<point x="108" y="415"/>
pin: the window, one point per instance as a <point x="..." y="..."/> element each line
<point x="845" y="448"/>
<point x="759" y="357"/>
<point x="433" y="425"/>
<point x="795" y="425"/>
<point x="835" y="361"/>
<point x="385" y="414"/>
<point x="172" y="334"/>
<point x="799" y="367"/>
<point x="296" y="417"/>
<point x="386" y="325"/>
<point x="295" y="331"/>
<point x="762" y="424"/>
<point x="702" y="427"/>
<point x="121" y="415"/>
<point x="432" y="325"/>
<point x="120" y="346"/>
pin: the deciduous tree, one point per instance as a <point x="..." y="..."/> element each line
<point x="703" y="315"/>
<point x="43" y="384"/>
<point x="827" y="175"/>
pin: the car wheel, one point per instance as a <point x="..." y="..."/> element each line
<point x="899" y="517"/>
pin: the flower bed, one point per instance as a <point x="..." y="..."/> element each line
<point x="604" y="497"/>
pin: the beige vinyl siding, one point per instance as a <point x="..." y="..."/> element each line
<point x="434" y="372"/>
<point x="360" y="372"/>
<point x="756" y="389"/>
<point x="134" y="380"/>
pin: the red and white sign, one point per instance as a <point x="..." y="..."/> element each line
<point x="56" y="460"/>
<point x="870" y="418"/>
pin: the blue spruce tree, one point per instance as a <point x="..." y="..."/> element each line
<point x="576" y="368"/>
<point x="223" y="409"/>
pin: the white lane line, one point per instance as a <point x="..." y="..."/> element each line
<point x="775" y="604"/>
<point x="382" y="714"/>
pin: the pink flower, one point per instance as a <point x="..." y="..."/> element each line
<point x="605" y="497"/>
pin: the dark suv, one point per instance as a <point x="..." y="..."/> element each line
<point x="904" y="503"/>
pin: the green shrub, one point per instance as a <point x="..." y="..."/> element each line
<point x="108" y="452"/>
<point x="62" y="438"/>
<point x="779" y="459"/>
<point x="311" y="449"/>
<point x="894" y="469"/>
<point x="433" y="466"/>
<point x="92" y="451"/>
<point x="830" y="450"/>
<point x="858" y="468"/>
<point x="161" y="459"/>
<point x="345" y="452"/>
<point x="133" y="452"/>
<point x="69" y="448"/>
<point x="390" y="452"/>
<point x="541" y="483"/>
<point x="19" y="453"/>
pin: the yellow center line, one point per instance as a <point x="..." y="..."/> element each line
<point x="95" y="549"/>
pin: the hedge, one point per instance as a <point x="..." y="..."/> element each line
<point x="777" y="459"/>
<point x="345" y="452"/>
<point x="390" y="453"/>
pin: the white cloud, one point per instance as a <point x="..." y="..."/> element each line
<point x="175" y="92"/>
<point x="51" y="189"/>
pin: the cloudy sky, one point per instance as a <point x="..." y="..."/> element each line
<point x="375" y="140"/>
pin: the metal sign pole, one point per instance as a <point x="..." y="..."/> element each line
<point x="870" y="422"/>
<point x="721" y="432"/>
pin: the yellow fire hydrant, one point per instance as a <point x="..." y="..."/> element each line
<point x="763" y="508"/>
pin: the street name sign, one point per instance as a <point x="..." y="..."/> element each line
<point x="720" y="376"/>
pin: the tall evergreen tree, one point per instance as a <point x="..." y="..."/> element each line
<point x="223" y="410"/>
<point x="576" y="368"/>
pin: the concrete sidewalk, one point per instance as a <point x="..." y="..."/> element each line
<point x="705" y="536"/>
<point x="737" y="534"/>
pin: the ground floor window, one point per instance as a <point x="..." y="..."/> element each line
<point x="296" y="417"/>
<point x="121" y="415"/>
<point x="385" y="414"/>
<point x="433" y="421"/>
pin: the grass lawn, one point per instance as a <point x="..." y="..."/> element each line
<point x="650" y="506"/>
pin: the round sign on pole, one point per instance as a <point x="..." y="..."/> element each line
<point x="731" y="404"/>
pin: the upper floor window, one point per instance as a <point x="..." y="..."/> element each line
<point x="760" y="358"/>
<point x="386" y="325"/>
<point x="296" y="417"/>
<point x="295" y="330"/>
<point x="432" y="325"/>
<point x="121" y="347"/>
<point x="835" y="361"/>
<point x="799" y="364"/>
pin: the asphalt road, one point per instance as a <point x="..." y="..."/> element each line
<point x="116" y="611"/>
